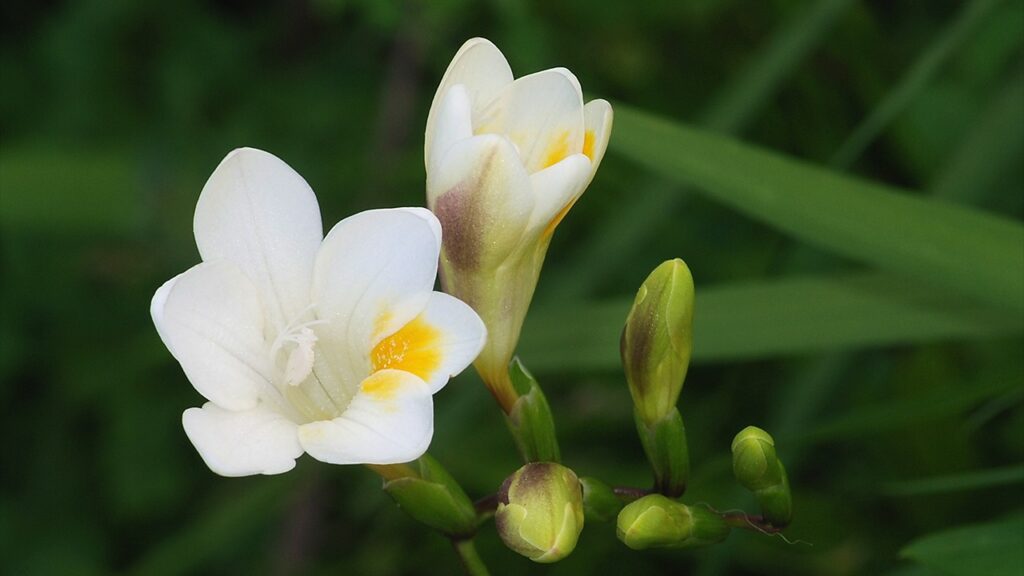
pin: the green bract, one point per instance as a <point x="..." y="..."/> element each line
<point x="655" y="521"/>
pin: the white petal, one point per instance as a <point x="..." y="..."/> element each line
<point x="374" y="273"/>
<point x="156" y="311"/>
<point x="436" y="345"/>
<point x="481" y="68"/>
<point x="541" y="113"/>
<point x="481" y="194"/>
<point x="597" y="117"/>
<point x="556" y="189"/>
<point x="211" y="319"/>
<point x="428" y="217"/>
<point x="256" y="441"/>
<point x="390" y="420"/>
<point x="260" y="214"/>
<point x="453" y="122"/>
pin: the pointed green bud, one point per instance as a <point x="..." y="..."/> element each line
<point x="655" y="521"/>
<point x="758" y="468"/>
<point x="530" y="420"/>
<point x="435" y="499"/>
<point x="599" y="500"/>
<point x="657" y="340"/>
<point x="540" y="511"/>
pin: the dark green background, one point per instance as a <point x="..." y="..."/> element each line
<point x="113" y="114"/>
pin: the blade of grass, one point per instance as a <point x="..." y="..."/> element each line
<point x="994" y="143"/>
<point x="974" y="480"/>
<point x="737" y="104"/>
<point x="771" y="318"/>
<point x="976" y="253"/>
<point x="907" y="412"/>
<point x="992" y="548"/>
<point x="967" y="21"/>
<point x="755" y="84"/>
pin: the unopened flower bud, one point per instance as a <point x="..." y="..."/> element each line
<point x="655" y="521"/>
<point x="753" y="459"/>
<point x="657" y="340"/>
<point x="540" y="511"/>
<point x="758" y="469"/>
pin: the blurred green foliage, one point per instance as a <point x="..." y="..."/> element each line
<point x="897" y="403"/>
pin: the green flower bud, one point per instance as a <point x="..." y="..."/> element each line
<point x="655" y="521"/>
<point x="530" y="420"/>
<point x="657" y="340"/>
<point x="435" y="499"/>
<point x="599" y="500"/>
<point x="540" y="511"/>
<point x="753" y="459"/>
<point x="758" y="468"/>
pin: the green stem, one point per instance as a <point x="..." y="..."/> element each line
<point x="471" y="561"/>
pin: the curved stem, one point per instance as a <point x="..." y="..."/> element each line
<point x="471" y="561"/>
<point x="749" y="522"/>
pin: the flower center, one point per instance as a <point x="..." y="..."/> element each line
<point x="294" y="351"/>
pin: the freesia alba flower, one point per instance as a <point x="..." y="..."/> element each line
<point x="331" y="346"/>
<point x="506" y="159"/>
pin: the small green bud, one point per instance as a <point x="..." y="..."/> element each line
<point x="540" y="511"/>
<point x="754" y="462"/>
<point x="530" y="420"/>
<point x="435" y="499"/>
<point x="758" y="468"/>
<point x="599" y="500"/>
<point x="658" y="338"/>
<point x="655" y="521"/>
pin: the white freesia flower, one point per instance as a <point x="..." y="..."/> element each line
<point x="506" y="159"/>
<point x="331" y="346"/>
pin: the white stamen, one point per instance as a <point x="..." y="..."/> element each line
<point x="301" y="358"/>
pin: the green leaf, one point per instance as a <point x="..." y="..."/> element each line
<point x="994" y="145"/>
<point x="753" y="87"/>
<point x="993" y="549"/>
<point x="978" y="479"/>
<point x="771" y="318"/>
<point x="962" y="28"/>
<point x="937" y="403"/>
<point x="976" y="253"/>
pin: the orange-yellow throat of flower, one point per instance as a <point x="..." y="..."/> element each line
<point x="413" y="349"/>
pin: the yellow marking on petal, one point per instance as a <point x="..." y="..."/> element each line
<point x="414" y="349"/>
<point x="381" y="387"/>
<point x="588" y="144"/>
<point x="557" y="149"/>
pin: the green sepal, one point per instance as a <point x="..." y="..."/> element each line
<point x="777" y="502"/>
<point x="664" y="443"/>
<point x="530" y="420"/>
<point x="435" y="499"/>
<point x="599" y="500"/>
<point x="656" y="521"/>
